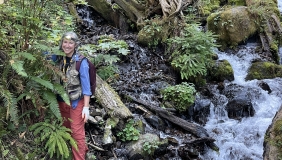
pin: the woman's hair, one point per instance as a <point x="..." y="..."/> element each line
<point x="71" y="36"/>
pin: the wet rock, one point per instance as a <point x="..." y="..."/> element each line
<point x="221" y="70"/>
<point x="264" y="70"/>
<point x="264" y="86"/>
<point x="155" y="121"/>
<point x="239" y="108"/>
<point x="186" y="152"/>
<point x="200" y="111"/>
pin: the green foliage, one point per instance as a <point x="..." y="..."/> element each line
<point x="153" y="30"/>
<point x="29" y="28"/>
<point x="129" y="133"/>
<point x="182" y="96"/>
<point x="191" y="51"/>
<point x="103" y="55"/>
<point x="10" y="103"/>
<point x="54" y="136"/>
<point x="149" y="147"/>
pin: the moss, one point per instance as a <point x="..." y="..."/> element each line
<point x="274" y="50"/>
<point x="277" y="141"/>
<point x="222" y="70"/>
<point x="264" y="70"/>
<point x="233" y="25"/>
<point x="237" y="2"/>
<point x="207" y="7"/>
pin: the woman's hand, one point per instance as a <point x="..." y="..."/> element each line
<point x="85" y="113"/>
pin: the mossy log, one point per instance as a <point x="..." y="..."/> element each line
<point x="110" y="100"/>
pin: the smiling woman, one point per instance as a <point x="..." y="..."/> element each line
<point x="77" y="86"/>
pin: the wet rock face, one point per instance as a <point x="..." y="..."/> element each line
<point x="239" y="108"/>
<point x="200" y="111"/>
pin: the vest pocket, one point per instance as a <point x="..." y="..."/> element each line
<point x="74" y="87"/>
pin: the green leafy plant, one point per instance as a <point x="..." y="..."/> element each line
<point x="105" y="54"/>
<point x="129" y="133"/>
<point x="191" y="51"/>
<point x="54" y="136"/>
<point x="27" y="85"/>
<point x="149" y="147"/>
<point x="153" y="30"/>
<point x="182" y="96"/>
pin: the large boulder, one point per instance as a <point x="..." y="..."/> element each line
<point x="233" y="25"/>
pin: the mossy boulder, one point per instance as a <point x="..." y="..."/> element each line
<point x="233" y="25"/>
<point x="273" y="139"/>
<point x="220" y="71"/>
<point x="264" y="70"/>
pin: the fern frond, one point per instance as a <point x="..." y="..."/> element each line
<point x="69" y="138"/>
<point x="18" y="67"/>
<point x="43" y="82"/>
<point x="51" y="99"/>
<point x="59" y="143"/>
<point x="27" y="56"/>
<point x="11" y="103"/>
<point x="51" y="145"/>
<point x="62" y="92"/>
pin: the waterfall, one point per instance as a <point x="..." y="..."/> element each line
<point x="243" y="139"/>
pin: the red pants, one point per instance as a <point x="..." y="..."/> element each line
<point x="74" y="121"/>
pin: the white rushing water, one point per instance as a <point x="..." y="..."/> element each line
<point x="243" y="139"/>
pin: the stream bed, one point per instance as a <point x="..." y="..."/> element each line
<point x="144" y="73"/>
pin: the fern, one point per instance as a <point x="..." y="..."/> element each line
<point x="18" y="67"/>
<point x="43" y="82"/>
<point x="27" y="55"/>
<point x="50" y="97"/>
<point x="55" y="137"/>
<point x="11" y="103"/>
<point x="58" y="88"/>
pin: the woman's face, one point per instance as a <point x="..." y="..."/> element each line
<point x="68" y="47"/>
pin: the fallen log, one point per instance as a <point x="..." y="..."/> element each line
<point x="110" y="100"/>
<point x="113" y="105"/>
<point x="193" y="128"/>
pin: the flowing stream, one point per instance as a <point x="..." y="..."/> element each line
<point x="243" y="139"/>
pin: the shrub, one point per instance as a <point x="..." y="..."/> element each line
<point x="191" y="51"/>
<point x="129" y="133"/>
<point x="182" y="96"/>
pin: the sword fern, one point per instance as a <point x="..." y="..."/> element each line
<point x="55" y="137"/>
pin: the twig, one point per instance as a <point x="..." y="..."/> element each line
<point x="96" y="147"/>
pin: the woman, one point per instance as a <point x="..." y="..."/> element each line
<point x="77" y="113"/>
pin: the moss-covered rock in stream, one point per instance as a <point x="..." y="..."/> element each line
<point x="264" y="70"/>
<point x="236" y="24"/>
<point x="233" y="25"/>
<point x="220" y="71"/>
